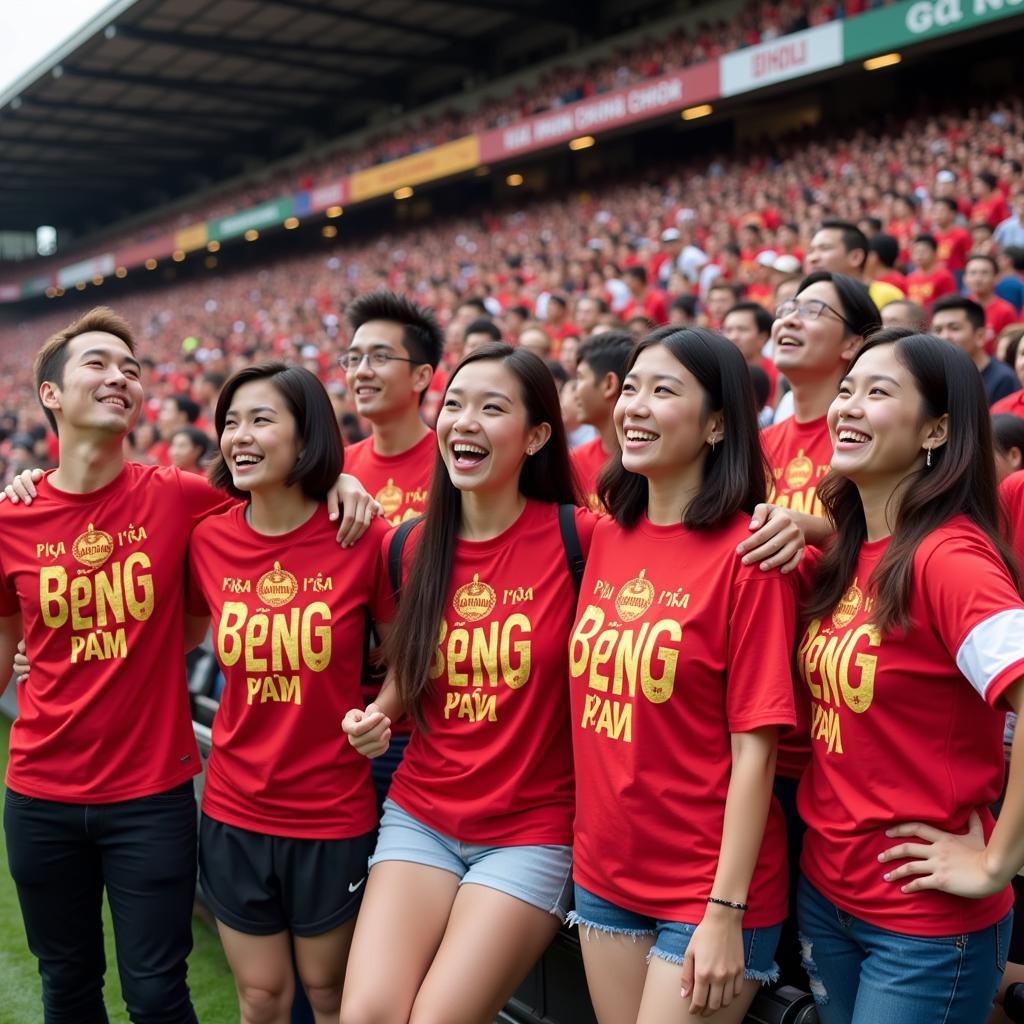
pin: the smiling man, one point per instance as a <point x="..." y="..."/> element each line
<point x="396" y="346"/>
<point x="99" y="791"/>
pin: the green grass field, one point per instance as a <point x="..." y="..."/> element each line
<point x="213" y="991"/>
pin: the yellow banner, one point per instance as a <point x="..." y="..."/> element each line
<point x="451" y="158"/>
<point x="192" y="237"/>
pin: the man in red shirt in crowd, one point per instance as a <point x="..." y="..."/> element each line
<point x="176" y="411"/>
<point x="980" y="282"/>
<point x="990" y="206"/>
<point x="643" y="301"/>
<point x="954" y="241"/>
<point x="395" y="348"/>
<point x="721" y="297"/>
<point x="600" y="369"/>
<point x="929" y="280"/>
<point x="557" y="322"/>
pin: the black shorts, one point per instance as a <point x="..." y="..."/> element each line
<point x="262" y="885"/>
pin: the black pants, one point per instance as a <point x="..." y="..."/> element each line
<point x="144" y="852"/>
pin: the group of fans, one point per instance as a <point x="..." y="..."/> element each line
<point x="684" y="514"/>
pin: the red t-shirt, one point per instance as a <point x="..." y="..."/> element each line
<point x="588" y="460"/>
<point x="904" y="728"/>
<point x="799" y="455"/>
<point x="654" y="306"/>
<point x="953" y="247"/>
<point x="99" y="580"/>
<point x="998" y="314"/>
<point x="399" y="482"/>
<point x="1011" y="493"/>
<point x="494" y="765"/>
<point x="1013" y="404"/>
<point x="992" y="210"/>
<point x="160" y="453"/>
<point x="676" y="645"/>
<point x="289" y="616"/>
<point x="924" y="287"/>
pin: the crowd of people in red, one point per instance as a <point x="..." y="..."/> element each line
<point x="757" y="21"/>
<point x="673" y="244"/>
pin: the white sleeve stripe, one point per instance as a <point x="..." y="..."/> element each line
<point x="992" y="647"/>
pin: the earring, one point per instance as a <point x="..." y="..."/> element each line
<point x="529" y="451"/>
<point x="712" y="444"/>
<point x="928" y="458"/>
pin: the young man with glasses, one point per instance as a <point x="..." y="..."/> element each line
<point x="395" y="348"/>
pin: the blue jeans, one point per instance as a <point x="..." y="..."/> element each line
<point x="863" y="974"/>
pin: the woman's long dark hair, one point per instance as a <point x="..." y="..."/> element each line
<point x="546" y="476"/>
<point x="960" y="481"/>
<point x="735" y="472"/>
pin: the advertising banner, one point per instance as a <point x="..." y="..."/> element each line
<point x="802" y="53"/>
<point x="190" y="238"/>
<point x="86" y="270"/>
<point x="600" y="113"/>
<point x="269" y="214"/>
<point x="913" y="21"/>
<point x="430" y="165"/>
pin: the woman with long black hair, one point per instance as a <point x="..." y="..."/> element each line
<point x="680" y="680"/>
<point x="471" y="875"/>
<point x="913" y="645"/>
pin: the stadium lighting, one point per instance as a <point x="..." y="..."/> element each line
<point x="80" y="287"/>
<point x="98" y="280"/>
<point x="121" y="272"/>
<point x="329" y="231"/>
<point x="692" y="113"/>
<point x="251" y="235"/>
<point x="885" y="60"/>
<point x="334" y="211"/>
<point x="405" y="192"/>
<point x="291" y="223"/>
<point x="51" y="292"/>
<point x="178" y="256"/>
<point x="150" y="264"/>
<point x="60" y="292"/>
<point x="583" y="142"/>
<point x="514" y="180"/>
<point x="213" y="246"/>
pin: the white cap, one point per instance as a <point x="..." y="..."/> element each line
<point x="787" y="263"/>
<point x="946" y="177"/>
<point x="767" y="258"/>
<point x="670" y="235"/>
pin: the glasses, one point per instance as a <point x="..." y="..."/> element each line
<point x="378" y="358"/>
<point x="810" y="309"/>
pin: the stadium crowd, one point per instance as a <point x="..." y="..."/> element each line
<point x="757" y="21"/>
<point x="674" y="244"/>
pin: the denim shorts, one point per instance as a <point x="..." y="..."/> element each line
<point x="538" y="875"/>
<point x="672" y="937"/>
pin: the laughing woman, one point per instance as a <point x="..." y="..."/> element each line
<point x="914" y="644"/>
<point x="289" y="816"/>
<point x="679" y="663"/>
<point x="471" y="875"/>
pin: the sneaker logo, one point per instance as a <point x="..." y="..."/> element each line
<point x="354" y="887"/>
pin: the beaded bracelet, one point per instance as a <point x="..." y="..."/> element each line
<point x="727" y="903"/>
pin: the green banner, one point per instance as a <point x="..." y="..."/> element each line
<point x="270" y="214"/>
<point x="913" y="21"/>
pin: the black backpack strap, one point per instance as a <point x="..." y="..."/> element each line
<point x="395" y="549"/>
<point x="571" y="543"/>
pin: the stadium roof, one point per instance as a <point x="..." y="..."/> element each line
<point x="157" y="98"/>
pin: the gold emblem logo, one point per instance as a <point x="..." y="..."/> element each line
<point x="474" y="600"/>
<point x="849" y="604"/>
<point x="390" y="498"/>
<point x="634" y="598"/>
<point x="799" y="471"/>
<point x="93" y="547"/>
<point x="277" y="587"/>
